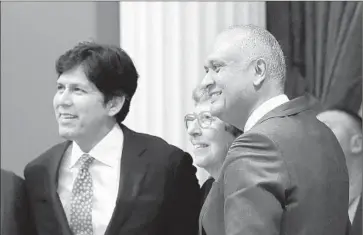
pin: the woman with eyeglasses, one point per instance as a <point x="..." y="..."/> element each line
<point x="210" y="137"/>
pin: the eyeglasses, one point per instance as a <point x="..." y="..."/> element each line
<point x="205" y="119"/>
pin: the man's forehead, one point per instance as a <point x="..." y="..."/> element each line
<point x="75" y="75"/>
<point x="227" y="47"/>
<point x="233" y="38"/>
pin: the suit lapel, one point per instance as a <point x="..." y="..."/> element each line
<point x="201" y="215"/>
<point x="51" y="179"/>
<point x="133" y="170"/>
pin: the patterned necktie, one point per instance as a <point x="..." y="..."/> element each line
<point x="81" y="201"/>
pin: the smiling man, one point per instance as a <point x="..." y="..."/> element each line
<point x="106" y="178"/>
<point x="286" y="174"/>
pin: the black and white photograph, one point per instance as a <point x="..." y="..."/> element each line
<point x="181" y="118"/>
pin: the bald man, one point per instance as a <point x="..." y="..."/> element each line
<point x="347" y="127"/>
<point x="286" y="174"/>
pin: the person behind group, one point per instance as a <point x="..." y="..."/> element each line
<point x="106" y="178"/>
<point x="286" y="173"/>
<point x="347" y="127"/>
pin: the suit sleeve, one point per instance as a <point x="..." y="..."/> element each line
<point x="184" y="203"/>
<point x="22" y="218"/>
<point x="255" y="179"/>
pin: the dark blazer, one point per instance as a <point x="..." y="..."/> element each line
<point x="287" y="175"/>
<point x="356" y="228"/>
<point x="158" y="192"/>
<point x="207" y="185"/>
<point x="15" y="219"/>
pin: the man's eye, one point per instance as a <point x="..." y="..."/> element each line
<point x="217" y="68"/>
<point x="79" y="90"/>
<point x="60" y="87"/>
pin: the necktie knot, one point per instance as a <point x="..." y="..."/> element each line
<point x="86" y="160"/>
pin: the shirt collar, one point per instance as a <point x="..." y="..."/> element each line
<point x="108" y="151"/>
<point x="353" y="208"/>
<point x="263" y="109"/>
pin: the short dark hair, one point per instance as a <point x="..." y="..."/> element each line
<point x="199" y="95"/>
<point x="108" y="67"/>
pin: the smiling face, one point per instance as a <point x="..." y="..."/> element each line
<point x="210" y="143"/>
<point x="79" y="108"/>
<point x="229" y="81"/>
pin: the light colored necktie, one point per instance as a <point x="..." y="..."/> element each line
<point x="81" y="200"/>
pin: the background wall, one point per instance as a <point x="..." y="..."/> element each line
<point x="33" y="35"/>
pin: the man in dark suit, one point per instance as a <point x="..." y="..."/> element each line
<point x="106" y="178"/>
<point x="15" y="219"/>
<point x="347" y="127"/>
<point x="286" y="174"/>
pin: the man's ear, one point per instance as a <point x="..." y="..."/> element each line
<point x="260" y="72"/>
<point x="356" y="144"/>
<point x="115" y="105"/>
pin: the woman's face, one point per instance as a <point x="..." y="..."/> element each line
<point x="209" y="137"/>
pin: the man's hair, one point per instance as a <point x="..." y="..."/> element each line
<point x="353" y="115"/>
<point x="260" y="43"/>
<point x="200" y="96"/>
<point x="108" y="67"/>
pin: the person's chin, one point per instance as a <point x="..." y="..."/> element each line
<point x="201" y="161"/>
<point x="217" y="108"/>
<point x="66" y="133"/>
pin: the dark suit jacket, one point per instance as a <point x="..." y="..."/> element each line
<point x="287" y="175"/>
<point x="158" y="192"/>
<point x="207" y="185"/>
<point x="15" y="219"/>
<point x="356" y="228"/>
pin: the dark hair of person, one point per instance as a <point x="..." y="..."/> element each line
<point x="108" y="67"/>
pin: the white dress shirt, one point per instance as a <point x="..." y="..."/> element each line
<point x="263" y="109"/>
<point x="105" y="172"/>
<point x="353" y="208"/>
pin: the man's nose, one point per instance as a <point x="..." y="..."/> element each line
<point x="207" y="82"/>
<point x="64" y="98"/>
